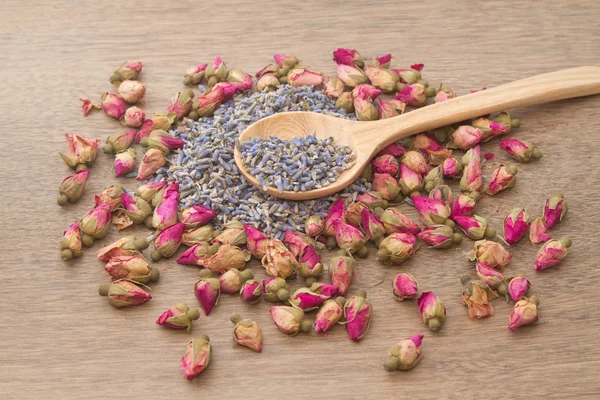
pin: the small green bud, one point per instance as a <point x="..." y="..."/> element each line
<point x="87" y="240"/>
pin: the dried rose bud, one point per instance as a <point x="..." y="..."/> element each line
<point x="226" y="258"/>
<point x="197" y="356"/>
<point x="473" y="153"/>
<point x="490" y="128"/>
<point x="87" y="106"/>
<point x="290" y="320"/>
<point x="366" y="91"/>
<point x="198" y="254"/>
<point x="206" y="104"/>
<point x="475" y="227"/>
<point x="167" y="241"/>
<point x="365" y="110"/>
<point x="134" y="117"/>
<point x="131" y="92"/>
<point x="472" y="179"/>
<point x="410" y="181"/>
<point x="537" y="231"/>
<point x="433" y="179"/>
<point x="522" y="151"/>
<point x="348" y="237"/>
<point x="396" y="248"/>
<point x="95" y="224"/>
<point x="334" y="87"/>
<point x="408" y="75"/>
<point x="432" y="212"/>
<point x="552" y="253"/>
<point x="111" y="195"/>
<point x="329" y="314"/>
<point x="413" y="95"/>
<point x="71" y="188"/>
<point x="251" y="291"/>
<point x="179" y="317"/>
<point x="124" y="293"/>
<point x="70" y="244"/>
<point x="216" y="71"/>
<point x="396" y="222"/>
<point x="306" y="300"/>
<point x="341" y="271"/>
<point x="203" y="234"/>
<point x="554" y="210"/>
<point x="439" y="236"/>
<point x="240" y="79"/>
<point x="386" y="185"/>
<point x="491" y="253"/>
<point x="386" y="164"/>
<point x="194" y="74"/>
<point x="357" y="312"/>
<point x="231" y="281"/>
<point x="350" y="57"/>
<point x="345" y="102"/>
<point x="157" y="122"/>
<point x="516" y="225"/>
<point x="393" y="149"/>
<point x="207" y="291"/>
<point x="229" y="90"/>
<point x="444" y="93"/>
<point x="303" y="77"/>
<point x="523" y="313"/>
<point x="463" y="205"/>
<point x="416" y="161"/>
<point x="383" y="61"/>
<point x="518" y="287"/>
<point x="373" y="226"/>
<point x="126" y="246"/>
<point x="466" y="136"/>
<point x="113" y="105"/>
<point x="81" y="151"/>
<point x="314" y="225"/>
<point x="297" y="242"/>
<point x="502" y="178"/>
<point x="119" y="141"/>
<point x="310" y="265"/>
<point x="135" y="208"/>
<point x="372" y="199"/>
<point x="127" y="70"/>
<point x="125" y="162"/>
<point x="442" y="193"/>
<point x="286" y="60"/>
<point x="233" y="236"/>
<point x="149" y="190"/>
<point x="431" y="148"/>
<point x="388" y="108"/>
<point x="491" y="277"/>
<point x="278" y="260"/>
<point x="405" y="287"/>
<point x="337" y="212"/>
<point x="134" y="268"/>
<point x="247" y="333"/>
<point x="268" y="69"/>
<point x="351" y="76"/>
<point x="405" y="354"/>
<point x="275" y="290"/>
<point x="152" y="161"/>
<point x="382" y="78"/>
<point x="506" y="120"/>
<point x="161" y="140"/>
<point x="181" y="104"/>
<point x="452" y="168"/>
<point x="432" y="311"/>
<point x="476" y="297"/>
<point x="196" y="216"/>
<point x="256" y="241"/>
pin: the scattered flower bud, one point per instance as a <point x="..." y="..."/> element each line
<point x="81" y="151"/>
<point x="278" y="261"/>
<point x="206" y="104"/>
<point x="149" y="190"/>
<point x="502" y="178"/>
<point x="475" y="227"/>
<point x="357" y="312"/>
<point x="489" y="128"/>
<point x="179" y="317"/>
<point x="251" y="291"/>
<point x="432" y="311"/>
<point x="135" y="208"/>
<point x="463" y="205"/>
<point x="396" y="222"/>
<point x="410" y="181"/>
<point x="194" y="74"/>
<point x="393" y="149"/>
<point x="337" y="212"/>
<point x="348" y="237"/>
<point x="125" y="162"/>
<point x="537" y="231"/>
<point x="167" y="241"/>
<point x="290" y="320"/>
<point x="203" y="234"/>
<point x="207" y="291"/>
<point x="373" y="227"/>
<point x="310" y="265"/>
<point x="286" y="60"/>
<point x="444" y="93"/>
<point x="503" y="118"/>
<point x="405" y="354"/>
<point x="523" y="313"/>
<point x="196" y="216"/>
<point x="416" y="161"/>
<point x="430" y="147"/>
<point x="413" y="95"/>
<point x="95" y="224"/>
<point x="113" y="105"/>
<point x="303" y="77"/>
<point x="365" y="110"/>
<point x="341" y="271"/>
<point x="152" y="161"/>
<point x="87" y="106"/>
<point x="365" y="91"/>
<point x="161" y="140"/>
<point x="256" y="241"/>
<point x="518" y="287"/>
<point x="70" y="244"/>
<point x="382" y="78"/>
<point x="275" y="290"/>
<point x="551" y="253"/>
<point x="247" y="333"/>
<point x="329" y="314"/>
<point x="452" y="168"/>
<point x="297" y="242"/>
<point x="349" y="57"/>
<point x="157" y="122"/>
<point x="345" y="102"/>
<point x="439" y="236"/>
<point x="240" y="79"/>
<point x="267" y="81"/>
<point x="198" y="254"/>
<point x="334" y="87"/>
<point x="522" y="151"/>
<point x="516" y="225"/>
<point x="197" y="356"/>
<point x="119" y="141"/>
<point x="229" y="90"/>
<point x="181" y="104"/>
<point x="216" y="69"/>
<point x="475" y="297"/>
<point x="554" y="210"/>
<point x="473" y="153"/>
<point x="491" y="253"/>
<point x="386" y="185"/>
<point x="133" y="267"/>
<point x="132" y="92"/>
<point x="408" y="76"/>
<point x="127" y="70"/>
<point x="126" y="246"/>
<point x="405" y="287"/>
<point x="268" y="69"/>
<point x="233" y="236"/>
<point x="433" y="179"/>
<point x="396" y="248"/>
<point x="372" y="199"/>
<point x="306" y="300"/>
<point x="232" y="280"/>
<point x="389" y="108"/>
<point x="442" y="193"/>
<point x="491" y="277"/>
<point x="383" y="61"/>
<point x="386" y="164"/>
<point x="472" y="178"/>
<point x="314" y="225"/>
<point x="350" y="75"/>
<point x="432" y="212"/>
<point x="124" y="293"/>
<point x="71" y="188"/>
<point x="226" y="258"/>
<point x="466" y="137"/>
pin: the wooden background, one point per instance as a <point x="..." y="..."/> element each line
<point x="59" y="339"/>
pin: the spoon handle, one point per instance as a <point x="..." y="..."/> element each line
<point x="559" y="85"/>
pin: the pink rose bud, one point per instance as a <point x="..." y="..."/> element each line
<point x="125" y="162"/>
<point x="405" y="354"/>
<point x="475" y="227"/>
<point x="157" y="122"/>
<point x="537" y="231"/>
<point x="199" y="235"/>
<point x="153" y="160"/>
<point x="70" y="244"/>
<point x="365" y="110"/>
<point x="165" y="214"/>
<point x="516" y="225"/>
<point x="439" y="236"/>
<point x="313" y="226"/>
<point x="197" y="356"/>
<point x="396" y="248"/>
<point x="413" y="95"/>
<point x="226" y="258"/>
<point x="240" y="79"/>
<point x="132" y="92"/>
<point x="256" y="241"/>
<point x="491" y="253"/>
<point x="452" y="168"/>
<point x="310" y="265"/>
<point x="445" y="93"/>
<point x="434" y="179"/>
<point x="554" y="210"/>
<point x="523" y="313"/>
<point x="329" y="314"/>
<point x="71" y="188"/>
<point x="442" y="193"/>
<point x="290" y="320"/>
<point x="275" y="290"/>
<point x="473" y="153"/>
<point x="113" y="105"/>
<point x="194" y="74"/>
<point x="325" y="289"/>
<point x="303" y="77"/>
<point x="348" y="237"/>
<point x="472" y="178"/>
<point x="430" y="147"/>
<point x="81" y="151"/>
<point x="278" y="261"/>
<point x="216" y="71"/>
<point x="341" y="271"/>
<point x="386" y="185"/>
<point x="196" y="216"/>
<point x="416" y="161"/>
<point x="198" y="254"/>
<point x="167" y="241"/>
<point x="386" y="164"/>
<point x="267" y="81"/>
<point x="345" y="102"/>
<point x="149" y="190"/>
<point x="384" y="61"/>
<point x="491" y="277"/>
<point x="286" y="60"/>
<point x="126" y="246"/>
<point x="349" y="57"/>
<point x="552" y="253"/>
<point x="136" y="209"/>
<point x="334" y="87"/>
<point x="134" y="268"/>
<point x="247" y="333"/>
<point x="95" y="224"/>
<point x="235" y="236"/>
<point x="357" y="312"/>
<point x="229" y="90"/>
<point x="365" y="91"/>
<point x="393" y="149"/>
<point x="432" y="311"/>
<point x="231" y="281"/>
<point x="268" y="69"/>
<point x="382" y="78"/>
<point x="87" y="106"/>
<point x="124" y="293"/>
<point x="161" y="140"/>
<point x="396" y="222"/>
<point x="337" y="212"/>
<point x="373" y="226"/>
<point x="466" y="137"/>
<point x="207" y="291"/>
<point x="476" y="296"/>
<point x="297" y="242"/>
<point x="127" y="70"/>
<point x="408" y="75"/>
<point x="119" y="141"/>
<point x="433" y="212"/>
<point x="522" y="151"/>
<point x="502" y="178"/>
<point x="372" y="199"/>
<point x="518" y="287"/>
<point x="388" y="108"/>
<point x="178" y="317"/>
<point x="181" y="104"/>
<point x="489" y="128"/>
<point x="251" y="291"/>
<point x="410" y="181"/>
<point x="206" y="104"/>
<point x="405" y="287"/>
<point x="306" y="300"/>
<point x="111" y="195"/>
<point x="463" y="205"/>
<point x="351" y="76"/>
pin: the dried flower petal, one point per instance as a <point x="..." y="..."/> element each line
<point x="278" y="260"/>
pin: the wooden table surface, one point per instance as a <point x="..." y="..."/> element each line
<point x="59" y="339"/>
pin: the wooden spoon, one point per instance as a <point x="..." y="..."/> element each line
<point x="368" y="138"/>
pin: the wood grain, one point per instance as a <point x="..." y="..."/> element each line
<point x="59" y="339"/>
